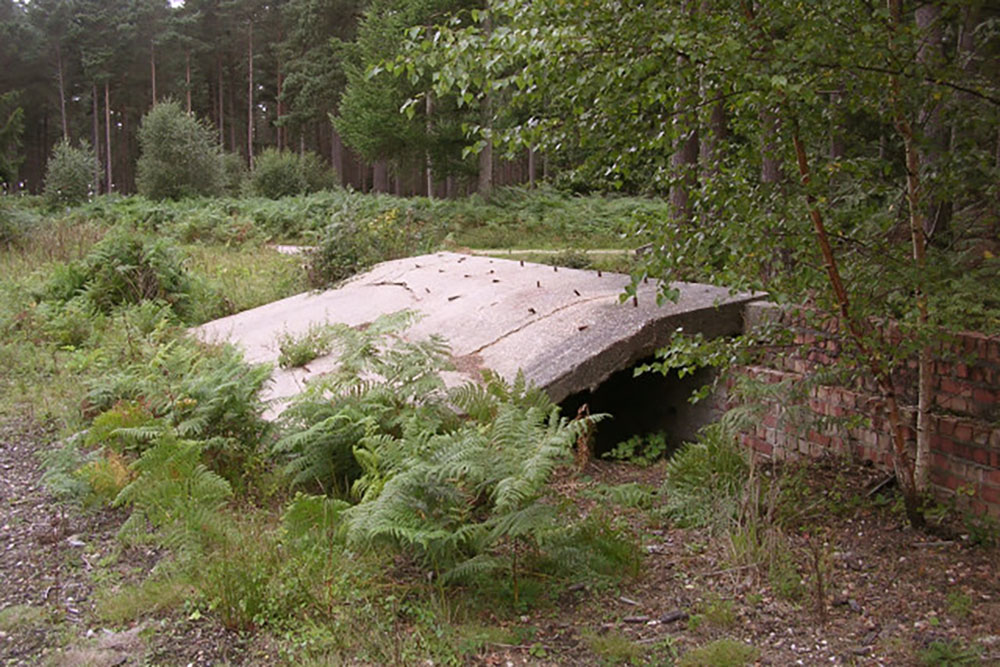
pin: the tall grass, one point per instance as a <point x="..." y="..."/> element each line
<point x="512" y="217"/>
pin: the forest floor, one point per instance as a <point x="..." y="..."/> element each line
<point x="885" y="595"/>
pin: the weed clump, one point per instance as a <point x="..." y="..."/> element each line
<point x="720" y="653"/>
<point x="297" y="351"/>
<point x="705" y="479"/>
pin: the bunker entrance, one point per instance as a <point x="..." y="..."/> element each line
<point x="644" y="404"/>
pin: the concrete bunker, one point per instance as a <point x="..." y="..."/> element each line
<point x="643" y="405"/>
<point x="567" y="330"/>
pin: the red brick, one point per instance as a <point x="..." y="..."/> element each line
<point x="990" y="493"/>
<point x="962" y="451"/>
<point x="980" y="456"/>
<point x="952" y="482"/>
<point x="993" y="353"/>
<point x="942" y="444"/>
<point x="961" y="370"/>
<point x="984" y="396"/>
<point x="963" y="432"/>
<point x="993" y="477"/>
<point x="939" y="461"/>
<point x="957" y="388"/>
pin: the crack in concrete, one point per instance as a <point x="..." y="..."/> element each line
<point x="536" y="320"/>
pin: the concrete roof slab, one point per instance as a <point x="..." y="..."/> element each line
<point x="567" y="329"/>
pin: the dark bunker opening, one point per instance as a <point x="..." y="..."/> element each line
<point x="648" y="403"/>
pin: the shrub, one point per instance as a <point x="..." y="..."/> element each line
<point x="349" y="247"/>
<point x="69" y="175"/>
<point x="278" y="174"/>
<point x="315" y="173"/>
<point x="125" y="267"/>
<point x="234" y="174"/>
<point x="15" y="222"/>
<point x="178" y="155"/>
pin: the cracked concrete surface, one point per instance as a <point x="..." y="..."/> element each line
<point x="567" y="329"/>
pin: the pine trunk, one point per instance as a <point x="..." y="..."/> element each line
<point x="96" y="140"/>
<point x="222" y="115"/>
<point x="152" y="69"/>
<point x="62" y="93"/>
<point x="250" y="95"/>
<point x="107" y="136"/>
<point x="429" y="171"/>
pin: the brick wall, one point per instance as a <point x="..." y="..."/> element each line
<point x="965" y="426"/>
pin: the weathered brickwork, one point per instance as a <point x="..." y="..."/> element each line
<point x="965" y="426"/>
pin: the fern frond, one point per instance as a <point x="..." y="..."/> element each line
<point x="477" y="566"/>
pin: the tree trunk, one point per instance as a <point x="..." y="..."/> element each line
<point x="125" y="176"/>
<point x="937" y="213"/>
<point x="187" y="78"/>
<point x="337" y="155"/>
<point x="234" y="146"/>
<point x="531" y="167"/>
<point x="152" y="69"/>
<point x="62" y="93"/>
<point x="380" y="176"/>
<point x="429" y="171"/>
<point x="918" y="228"/>
<point x="107" y="136"/>
<point x="684" y="161"/>
<point x="770" y="167"/>
<point x="837" y="147"/>
<point x="280" y="130"/>
<point x="250" y="95"/>
<point x="856" y="330"/>
<point x="97" y="140"/>
<point x="486" y="154"/>
<point x="222" y="115"/>
<point x="710" y="150"/>
<point x="279" y="127"/>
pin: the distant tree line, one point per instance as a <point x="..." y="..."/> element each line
<point x="291" y="75"/>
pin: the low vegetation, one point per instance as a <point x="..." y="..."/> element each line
<point x="384" y="518"/>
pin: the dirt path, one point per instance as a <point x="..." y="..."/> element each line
<point x="47" y="553"/>
<point x="889" y="594"/>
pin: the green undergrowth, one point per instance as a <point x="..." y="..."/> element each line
<point x="372" y="504"/>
